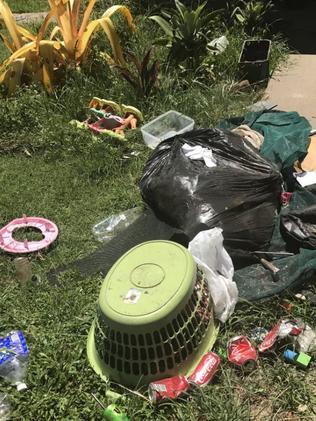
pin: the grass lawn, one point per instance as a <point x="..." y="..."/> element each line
<point x="49" y="168"/>
<point x="20" y="6"/>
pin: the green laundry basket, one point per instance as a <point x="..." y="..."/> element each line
<point x="154" y="316"/>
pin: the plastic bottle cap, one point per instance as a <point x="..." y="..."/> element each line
<point x="290" y="355"/>
<point x="21" y="386"/>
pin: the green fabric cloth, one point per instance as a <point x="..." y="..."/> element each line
<point x="285" y="134"/>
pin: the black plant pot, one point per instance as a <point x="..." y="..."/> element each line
<point x="254" y="61"/>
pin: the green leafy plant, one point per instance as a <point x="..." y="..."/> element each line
<point x="187" y="32"/>
<point x="141" y="74"/>
<point x="252" y="15"/>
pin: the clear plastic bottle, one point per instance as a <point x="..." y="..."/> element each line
<point x="108" y="228"/>
<point x="14" y="358"/>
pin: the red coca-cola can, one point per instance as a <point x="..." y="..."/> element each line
<point x="205" y="370"/>
<point x="169" y="388"/>
<point x="241" y="352"/>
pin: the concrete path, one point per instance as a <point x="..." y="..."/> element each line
<point x="294" y="88"/>
<point x="22" y="18"/>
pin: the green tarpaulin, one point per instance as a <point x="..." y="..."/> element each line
<point x="285" y="134"/>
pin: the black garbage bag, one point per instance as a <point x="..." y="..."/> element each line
<point x="240" y="194"/>
<point x="299" y="228"/>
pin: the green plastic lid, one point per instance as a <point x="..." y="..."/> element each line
<point x="147" y="283"/>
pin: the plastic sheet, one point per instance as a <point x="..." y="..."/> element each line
<point x="240" y="195"/>
<point x="211" y="257"/>
<point x="285" y="134"/>
<point x="299" y="228"/>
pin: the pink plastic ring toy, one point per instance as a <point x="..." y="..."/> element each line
<point x="48" y="229"/>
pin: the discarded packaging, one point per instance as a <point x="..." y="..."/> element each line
<point x="13" y="359"/>
<point x="108" y="228"/>
<point x="283" y="329"/>
<point x="165" y="126"/>
<point x="241" y="352"/>
<point x="113" y="413"/>
<point x="205" y="370"/>
<point x="5" y="408"/>
<point x="306" y="340"/>
<point x="300" y="359"/>
<point x="214" y="261"/>
<point x="23" y="267"/>
<point x="169" y="388"/>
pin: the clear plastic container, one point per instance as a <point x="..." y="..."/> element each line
<point x="166" y="125"/>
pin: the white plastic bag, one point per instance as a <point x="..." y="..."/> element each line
<point x="199" y="153"/>
<point x="211" y="257"/>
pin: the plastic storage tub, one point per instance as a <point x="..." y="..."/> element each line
<point x="166" y="125"/>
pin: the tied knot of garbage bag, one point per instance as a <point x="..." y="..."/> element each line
<point x="240" y="194"/>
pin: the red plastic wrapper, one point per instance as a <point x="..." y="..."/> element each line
<point x="169" y="388"/>
<point x="205" y="370"/>
<point x="282" y="329"/>
<point x="241" y="352"/>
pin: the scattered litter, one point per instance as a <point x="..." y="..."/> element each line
<point x="219" y="44"/>
<point x="5" y="408"/>
<point x="108" y="228"/>
<point x="286" y="198"/>
<point x="287" y="305"/>
<point x="111" y="412"/>
<point x="23" y="267"/>
<point x="306" y="295"/>
<point x="212" y="258"/>
<point x="241" y="352"/>
<point x="173" y="387"/>
<point x="170" y="388"/>
<point x="48" y="229"/>
<point x="282" y="329"/>
<point x="206" y="370"/>
<point x="131" y="155"/>
<point x="306" y="178"/>
<point x="14" y="358"/>
<point x="166" y="126"/>
<point x="300" y="359"/>
<point x="306" y="340"/>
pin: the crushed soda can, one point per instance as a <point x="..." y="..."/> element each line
<point x="169" y="388"/>
<point x="241" y="352"/>
<point x="205" y="370"/>
<point x="283" y="329"/>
